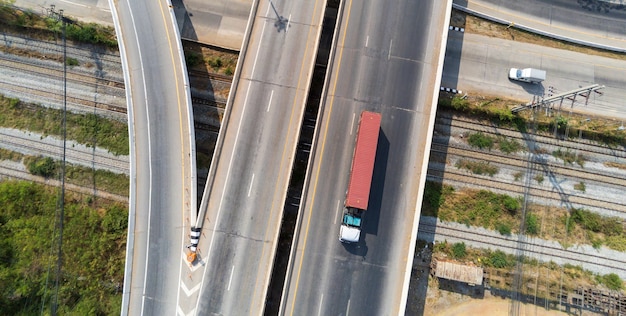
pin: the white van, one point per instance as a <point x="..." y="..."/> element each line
<point x="527" y="75"/>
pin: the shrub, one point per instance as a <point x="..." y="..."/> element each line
<point x="458" y="250"/>
<point x="503" y="229"/>
<point x="229" y="71"/>
<point x="588" y="220"/>
<point x="532" y="226"/>
<point x="480" y="140"/>
<point x="510" y="203"/>
<point x="611" y="280"/>
<point x="498" y="259"/>
<point x="477" y="167"/>
<point x="192" y="59"/>
<point x="215" y="63"/>
<point x="460" y="104"/>
<point x="509" y="145"/>
<point x="41" y="166"/>
<point x="70" y="61"/>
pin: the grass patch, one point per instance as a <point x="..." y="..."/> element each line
<point x="569" y="157"/>
<point x="474" y="207"/>
<point x="580" y="186"/>
<point x="94" y="240"/>
<point x="26" y="22"/>
<point x="508" y="146"/>
<point x="435" y="195"/>
<point x="477" y="167"/>
<point x="539" y="178"/>
<point x="6" y="154"/>
<point x="480" y="140"/>
<point x="518" y="176"/>
<point x="209" y="59"/>
<point x="70" y="61"/>
<point x="79" y="175"/>
<point x="87" y="129"/>
<point x="496" y="111"/>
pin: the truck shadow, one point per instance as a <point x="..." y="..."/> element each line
<point x="530" y="88"/>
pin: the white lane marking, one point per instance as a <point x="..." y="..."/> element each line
<point x="390" y="45"/>
<point x="367" y="40"/>
<point x="230" y="165"/>
<point x="232" y="271"/>
<point x="319" y="310"/>
<point x="251" y="182"/>
<point x="348" y="308"/>
<point x="352" y="125"/>
<point x="288" y="23"/>
<point x="143" y="78"/>
<point x="259" y="47"/>
<point x="269" y="104"/>
<point x="74" y="3"/>
<point x="337" y="211"/>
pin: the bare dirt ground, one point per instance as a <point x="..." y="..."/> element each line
<point x="493" y="306"/>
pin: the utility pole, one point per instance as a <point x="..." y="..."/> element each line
<point x="53" y="13"/>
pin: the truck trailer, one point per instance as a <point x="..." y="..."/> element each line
<point x="360" y="180"/>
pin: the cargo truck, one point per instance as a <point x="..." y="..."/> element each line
<point x="530" y="75"/>
<point x="360" y="180"/>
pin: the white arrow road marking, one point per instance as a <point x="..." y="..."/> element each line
<point x="187" y="291"/>
<point x="179" y="311"/>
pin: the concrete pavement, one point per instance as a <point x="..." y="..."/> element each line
<point x="561" y="19"/>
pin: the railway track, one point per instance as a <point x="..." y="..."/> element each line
<point x="94" y="158"/>
<point x="15" y="173"/>
<point x="464" y="178"/>
<point x="574" y="145"/>
<point x="211" y="76"/>
<point x="80" y="104"/>
<point x="513" y="244"/>
<point x="521" y="163"/>
<point x="84" y="51"/>
<point x="113" y="87"/>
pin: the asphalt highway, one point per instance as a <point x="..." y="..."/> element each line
<point x="480" y="64"/>
<point x="247" y="193"/>
<point x="387" y="59"/>
<point x="162" y="181"/>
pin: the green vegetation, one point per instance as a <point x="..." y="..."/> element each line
<point x="518" y="176"/>
<point x="70" y="61"/>
<point x="434" y="197"/>
<point x="6" y="154"/>
<point x="580" y="186"/>
<point x="508" y="146"/>
<point x="612" y="281"/>
<point x="192" y="59"/>
<point x="480" y="140"/>
<point x="504" y="229"/>
<point x="40" y="26"/>
<point x="82" y="176"/>
<point x="458" y="250"/>
<point x="88" y="129"/>
<point x="477" y="167"/>
<point x="41" y="166"/>
<point x="94" y="240"/>
<point x="499" y="259"/>
<point x="497" y="111"/>
<point x="532" y="224"/>
<point x="229" y="71"/>
<point x="215" y="63"/>
<point x="569" y="157"/>
<point x="539" y="178"/>
<point x="472" y="207"/>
